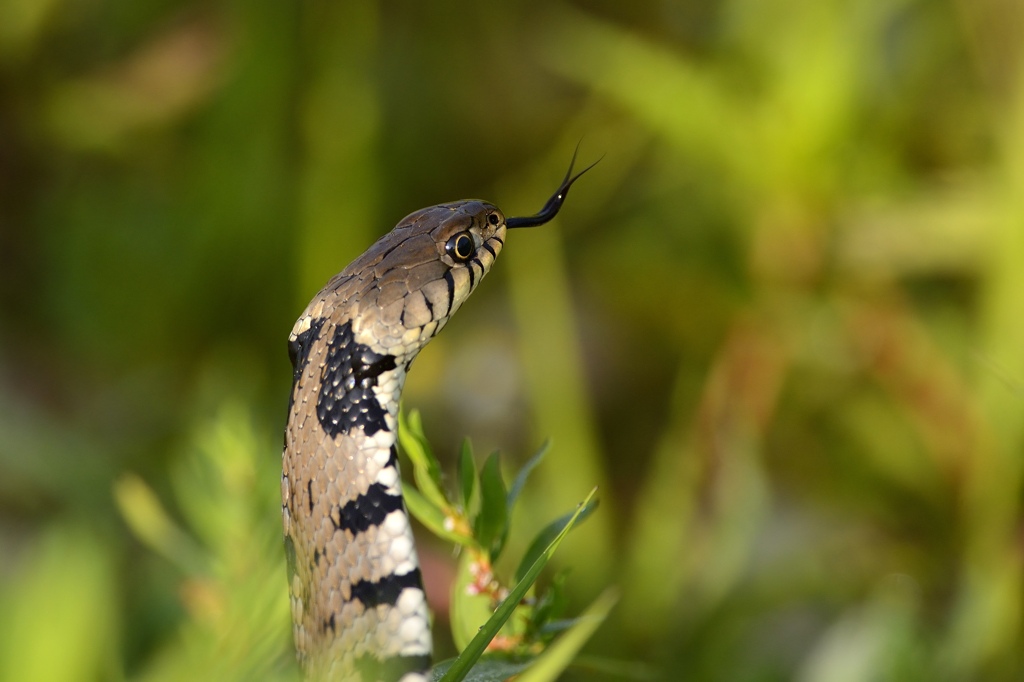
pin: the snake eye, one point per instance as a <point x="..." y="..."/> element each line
<point x="493" y="219"/>
<point x="460" y="247"/>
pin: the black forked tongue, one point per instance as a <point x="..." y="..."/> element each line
<point x="550" y="209"/>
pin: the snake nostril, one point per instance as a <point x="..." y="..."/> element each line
<point x="493" y="219"/>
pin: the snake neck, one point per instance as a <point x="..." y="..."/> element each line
<point x="358" y="605"/>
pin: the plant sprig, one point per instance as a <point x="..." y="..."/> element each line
<point x="477" y="519"/>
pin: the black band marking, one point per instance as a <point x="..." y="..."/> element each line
<point x="298" y="352"/>
<point x="346" y="399"/>
<point x="368" y="509"/>
<point x="476" y="259"/>
<point x="489" y="249"/>
<point x="387" y="589"/>
<point x="391" y="669"/>
<point x="430" y="306"/>
<point x="451" y="289"/>
<point x="472" y="274"/>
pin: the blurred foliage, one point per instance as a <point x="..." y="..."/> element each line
<point x="509" y="617"/>
<point x="780" y="324"/>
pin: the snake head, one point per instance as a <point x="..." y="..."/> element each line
<point x="469" y="228"/>
<point x="407" y="285"/>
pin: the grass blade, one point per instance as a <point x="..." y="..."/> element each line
<point x="462" y="665"/>
<point x="557" y="657"/>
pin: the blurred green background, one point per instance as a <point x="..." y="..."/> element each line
<point x="781" y="324"/>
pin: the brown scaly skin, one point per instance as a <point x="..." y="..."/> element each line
<point x="358" y="606"/>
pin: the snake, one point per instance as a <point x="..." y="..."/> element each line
<point x="359" y="611"/>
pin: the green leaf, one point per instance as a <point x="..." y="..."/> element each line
<point x="433" y="517"/>
<point x="617" y="669"/>
<point x="468" y="611"/>
<point x="520" y="479"/>
<point x="491" y="525"/>
<point x="490" y="668"/>
<point x="554" y="529"/>
<point x="556" y="627"/>
<point x="557" y="657"/>
<point x="550" y="606"/>
<point x="468" y="484"/>
<point x="426" y="470"/>
<point x="473" y="651"/>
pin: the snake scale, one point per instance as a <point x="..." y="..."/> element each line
<point x="358" y="607"/>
